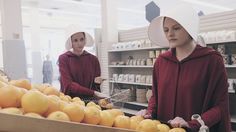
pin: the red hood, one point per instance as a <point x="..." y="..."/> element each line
<point x="198" y="52"/>
<point x="69" y="53"/>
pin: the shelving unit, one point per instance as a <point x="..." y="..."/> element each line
<point x="128" y="66"/>
<point x="137" y="49"/>
<point x="131" y="83"/>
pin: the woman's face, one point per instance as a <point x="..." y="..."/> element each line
<point x="78" y="41"/>
<point x="175" y="33"/>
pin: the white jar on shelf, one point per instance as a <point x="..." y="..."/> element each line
<point x="131" y="78"/>
<point x="152" y="54"/>
<point x="115" y="77"/>
<point x="126" y="78"/>
<point x="138" y="78"/>
<point x="121" y="77"/>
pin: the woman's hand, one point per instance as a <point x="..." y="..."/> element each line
<point x="144" y="113"/>
<point x="99" y="80"/>
<point x="178" y="122"/>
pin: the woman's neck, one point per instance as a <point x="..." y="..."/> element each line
<point x="78" y="53"/>
<point x="185" y="50"/>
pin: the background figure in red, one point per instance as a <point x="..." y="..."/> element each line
<point x="79" y="70"/>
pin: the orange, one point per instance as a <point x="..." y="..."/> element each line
<point x="116" y="112"/>
<point x="35" y="115"/>
<point x="106" y="119"/>
<point x="81" y="103"/>
<point x="76" y="99"/>
<point x="23" y="83"/>
<point x="122" y="121"/>
<point x="40" y="87"/>
<point x="147" y="125"/>
<point x="163" y="127"/>
<point x="65" y="98"/>
<point x="90" y="104"/>
<point x="103" y="102"/>
<point x="177" y="130"/>
<point x="53" y="104"/>
<point x="157" y="122"/>
<point x="109" y="106"/>
<point x="34" y="101"/>
<point x="95" y="106"/>
<point x="75" y="112"/>
<point x="22" y="91"/>
<point x="11" y="110"/>
<point x="9" y="96"/>
<point x="62" y="104"/>
<point x="59" y="115"/>
<point x="92" y="115"/>
<point x="2" y="84"/>
<point x="51" y="91"/>
<point x="134" y="121"/>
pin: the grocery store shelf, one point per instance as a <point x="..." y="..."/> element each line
<point x="233" y="118"/>
<point x="230" y="66"/>
<point x="129" y="66"/>
<point x="131" y="83"/>
<point x="221" y="42"/>
<point x="231" y="91"/>
<point x="136" y="49"/>
<point x="129" y="111"/>
<point x="140" y="104"/>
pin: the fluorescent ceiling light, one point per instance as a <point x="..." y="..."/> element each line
<point x="223" y="8"/>
<point x="98" y="6"/>
<point x="63" y="12"/>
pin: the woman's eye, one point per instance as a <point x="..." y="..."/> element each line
<point x="82" y="39"/>
<point x="166" y="30"/>
<point x="176" y="28"/>
<point x="75" y="40"/>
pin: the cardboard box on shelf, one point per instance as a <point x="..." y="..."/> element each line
<point x="18" y="123"/>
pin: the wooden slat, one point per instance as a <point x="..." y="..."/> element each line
<point x="17" y="123"/>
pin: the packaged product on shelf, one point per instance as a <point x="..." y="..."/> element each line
<point x="138" y="62"/>
<point x="134" y="62"/>
<point x="115" y="77"/>
<point x="143" y="62"/>
<point x="131" y="78"/>
<point x="126" y="78"/>
<point x="141" y="95"/>
<point x="226" y="59"/>
<point x="149" y="62"/>
<point x="152" y="54"/>
<point x="138" y="78"/>
<point x="221" y="49"/>
<point x="158" y="53"/>
<point x="233" y="58"/>
<point x="121" y="77"/>
<point x="143" y="79"/>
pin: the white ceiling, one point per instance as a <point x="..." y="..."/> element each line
<point x="131" y="13"/>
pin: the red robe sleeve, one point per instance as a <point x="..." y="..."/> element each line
<point x="66" y="80"/>
<point x="152" y="104"/>
<point x="216" y="103"/>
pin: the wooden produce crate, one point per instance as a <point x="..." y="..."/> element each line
<point x="19" y="123"/>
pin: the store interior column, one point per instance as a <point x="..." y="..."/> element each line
<point x="14" y="58"/>
<point x="109" y="36"/>
<point x="35" y="44"/>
